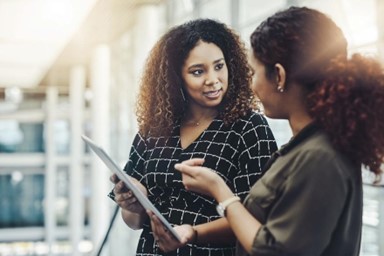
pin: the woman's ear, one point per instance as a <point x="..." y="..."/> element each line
<point x="280" y="77"/>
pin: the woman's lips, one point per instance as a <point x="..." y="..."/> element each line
<point x="213" y="94"/>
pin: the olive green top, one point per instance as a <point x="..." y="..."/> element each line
<point x="309" y="201"/>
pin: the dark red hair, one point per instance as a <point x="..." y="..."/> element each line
<point x="344" y="96"/>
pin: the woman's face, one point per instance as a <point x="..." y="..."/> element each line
<point x="264" y="89"/>
<point x="205" y="75"/>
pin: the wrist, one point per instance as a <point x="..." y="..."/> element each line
<point x="222" y="206"/>
<point x="194" y="239"/>
<point x="223" y="192"/>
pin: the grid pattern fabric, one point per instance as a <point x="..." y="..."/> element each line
<point x="236" y="152"/>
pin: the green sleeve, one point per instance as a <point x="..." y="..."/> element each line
<point x="306" y="209"/>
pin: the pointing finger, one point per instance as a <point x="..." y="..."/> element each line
<point x="194" y="162"/>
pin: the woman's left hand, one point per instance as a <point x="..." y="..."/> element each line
<point x="165" y="240"/>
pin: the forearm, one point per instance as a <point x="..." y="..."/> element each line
<point x="202" y="180"/>
<point x="134" y="220"/>
<point x="215" y="232"/>
<point x="218" y="231"/>
<point x="242" y="223"/>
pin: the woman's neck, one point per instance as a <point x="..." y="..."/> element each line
<point x="298" y="122"/>
<point x="196" y="115"/>
<point x="298" y="114"/>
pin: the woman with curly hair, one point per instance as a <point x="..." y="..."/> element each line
<point x="195" y="101"/>
<point x="309" y="202"/>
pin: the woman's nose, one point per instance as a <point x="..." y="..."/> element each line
<point x="211" y="80"/>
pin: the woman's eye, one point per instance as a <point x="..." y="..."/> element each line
<point x="197" y="72"/>
<point x="219" y="66"/>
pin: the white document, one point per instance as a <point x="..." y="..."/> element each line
<point x="126" y="179"/>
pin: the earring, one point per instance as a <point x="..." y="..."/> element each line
<point x="280" y="89"/>
<point x="182" y="94"/>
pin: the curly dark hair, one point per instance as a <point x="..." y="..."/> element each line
<point x="344" y="96"/>
<point x="160" y="102"/>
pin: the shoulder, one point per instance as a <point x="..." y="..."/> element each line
<point x="250" y="121"/>
<point x="139" y="141"/>
<point x="253" y="128"/>
<point x="322" y="159"/>
<point x="318" y="145"/>
<point x="147" y="141"/>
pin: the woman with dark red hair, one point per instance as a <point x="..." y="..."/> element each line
<point x="310" y="200"/>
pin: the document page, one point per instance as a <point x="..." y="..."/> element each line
<point x="143" y="199"/>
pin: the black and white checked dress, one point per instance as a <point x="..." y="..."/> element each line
<point x="236" y="152"/>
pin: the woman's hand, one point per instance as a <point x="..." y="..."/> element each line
<point x="201" y="179"/>
<point x="125" y="198"/>
<point x="165" y="240"/>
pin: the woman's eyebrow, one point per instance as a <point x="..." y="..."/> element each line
<point x="199" y="65"/>
<point x="196" y="66"/>
<point x="218" y="60"/>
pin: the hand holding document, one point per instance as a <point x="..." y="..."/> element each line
<point x="127" y="181"/>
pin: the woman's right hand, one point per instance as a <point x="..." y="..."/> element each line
<point x="125" y="198"/>
<point x="201" y="179"/>
<point x="165" y="240"/>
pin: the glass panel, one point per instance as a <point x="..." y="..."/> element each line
<point x="32" y="138"/>
<point x="62" y="197"/>
<point x="251" y="10"/>
<point x="11" y="136"/>
<point x="373" y="220"/>
<point x="281" y="130"/>
<point x="356" y="18"/>
<point x="217" y="9"/>
<point x="21" y="198"/>
<point x="180" y="9"/>
<point x="182" y="19"/>
<point x="20" y="137"/>
<point x="245" y="33"/>
<point x="62" y="248"/>
<point x="62" y="136"/>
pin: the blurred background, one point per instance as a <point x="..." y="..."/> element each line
<point x="71" y="67"/>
